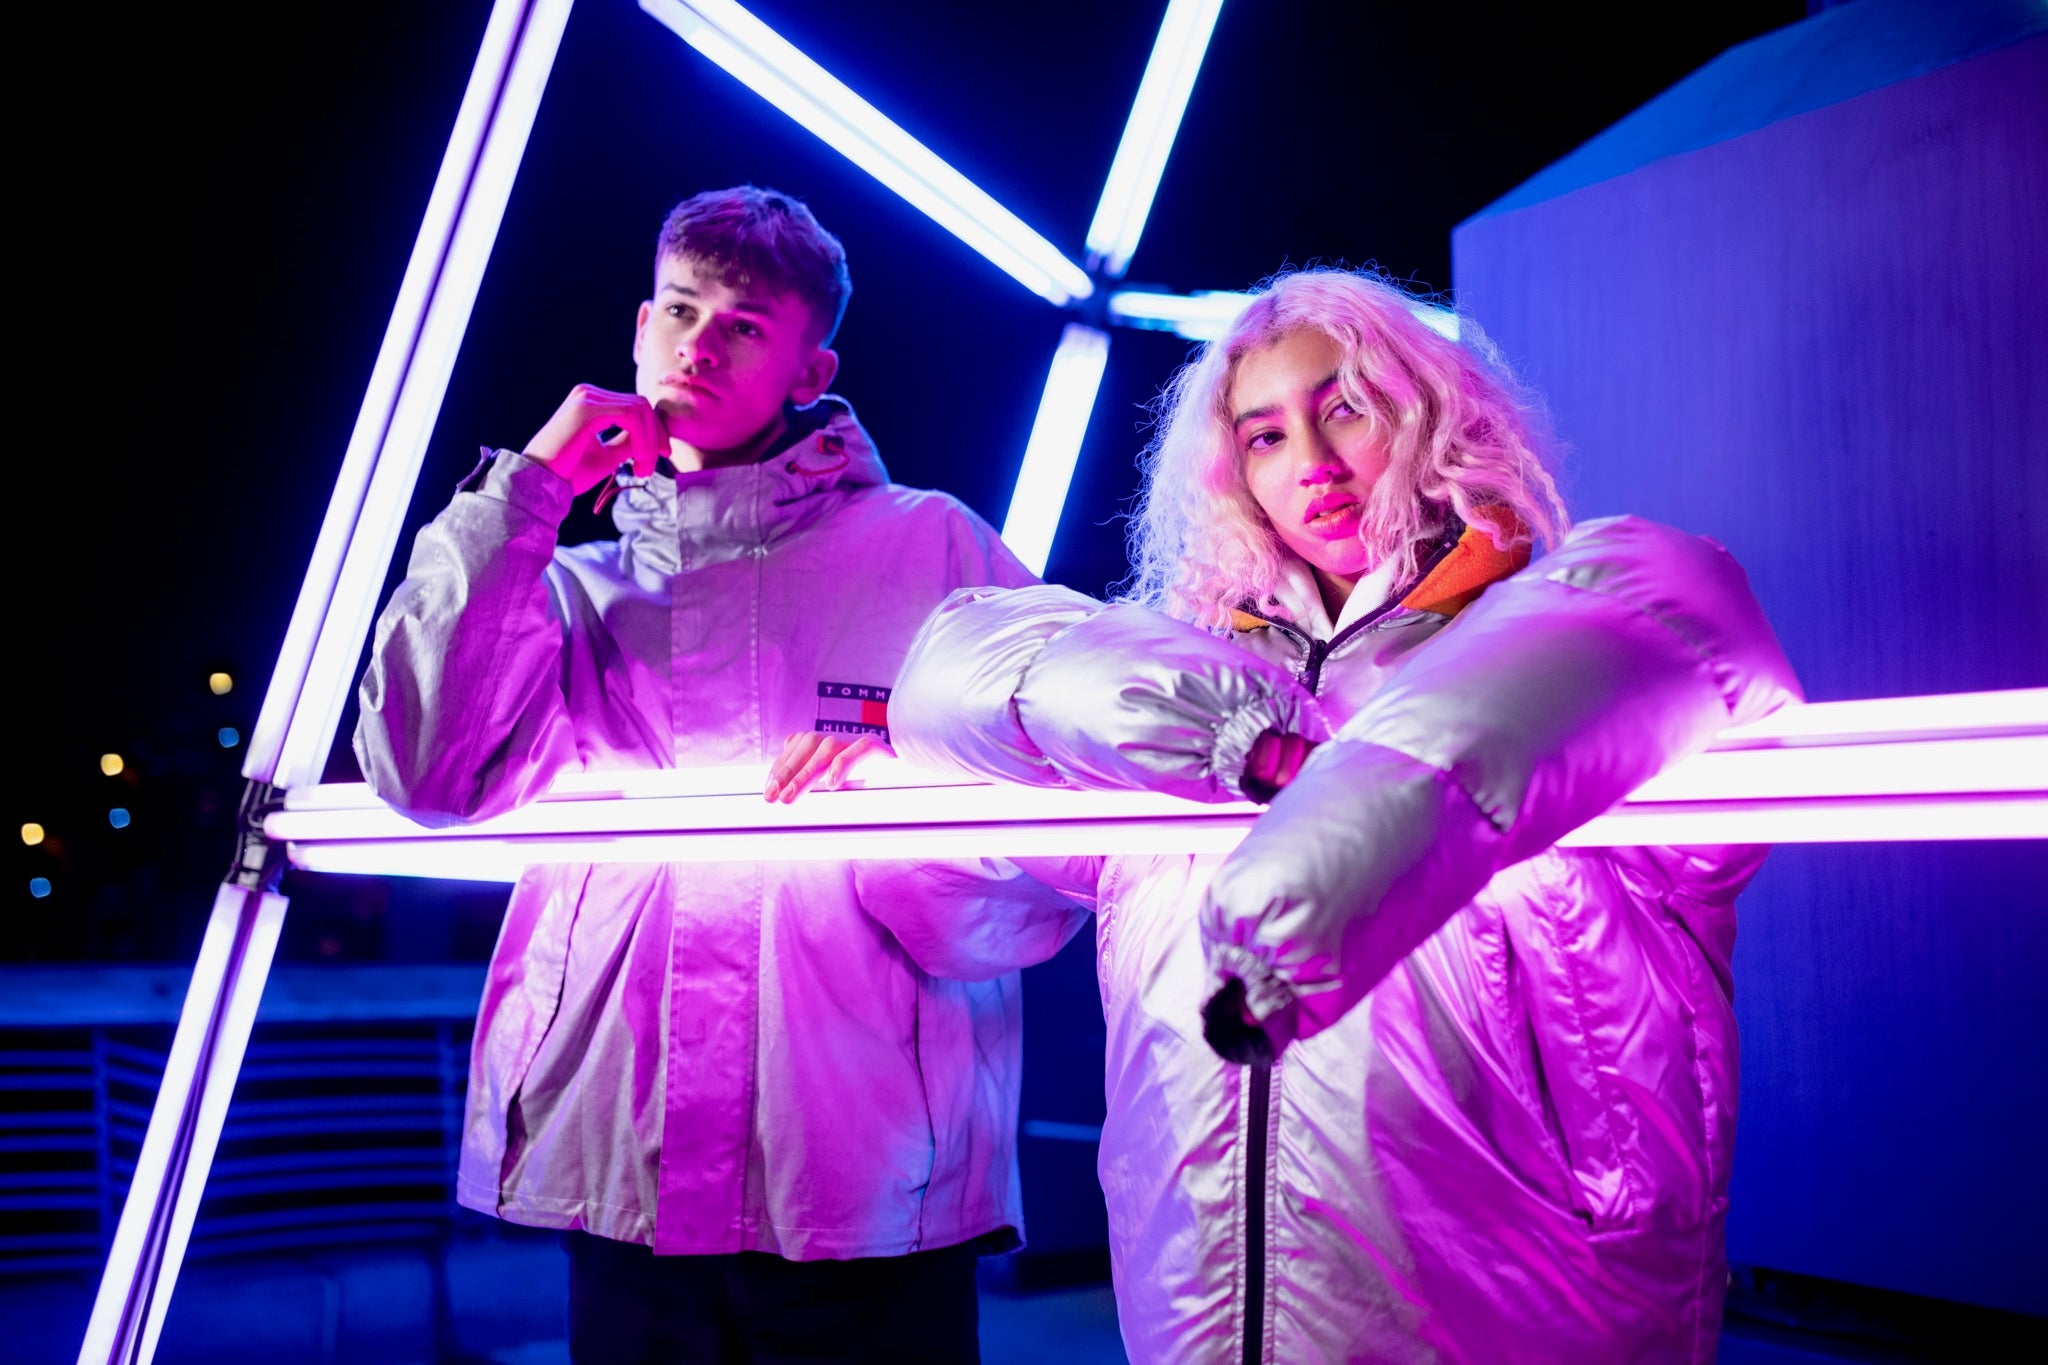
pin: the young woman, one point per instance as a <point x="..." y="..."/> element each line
<point x="1400" y="1079"/>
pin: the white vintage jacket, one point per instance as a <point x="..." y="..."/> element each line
<point x="1501" y="1117"/>
<point x="705" y="1058"/>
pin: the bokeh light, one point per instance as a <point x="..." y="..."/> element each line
<point x="119" y="817"/>
<point x="39" y="887"/>
<point x="31" y="834"/>
<point x="112" y="764"/>
<point x="220" y="684"/>
<point x="229" y="736"/>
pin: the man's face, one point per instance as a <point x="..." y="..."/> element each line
<point x="718" y="362"/>
<point x="1310" y="459"/>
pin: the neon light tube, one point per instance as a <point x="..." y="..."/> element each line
<point x="184" y="1126"/>
<point x="295" y="727"/>
<point x="1958" y="718"/>
<point x="1846" y="820"/>
<point x="1910" y="769"/>
<point x="1957" y="715"/>
<point x="1202" y="316"/>
<point x="1207" y="314"/>
<point x="1055" y="444"/>
<point x="769" y="65"/>
<point x="1156" y="113"/>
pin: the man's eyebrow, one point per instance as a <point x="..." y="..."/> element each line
<point x="758" y="307"/>
<point x="1253" y="414"/>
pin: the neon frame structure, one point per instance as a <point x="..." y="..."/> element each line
<point x="1903" y="768"/>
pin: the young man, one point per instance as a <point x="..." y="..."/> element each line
<point x="770" y="1131"/>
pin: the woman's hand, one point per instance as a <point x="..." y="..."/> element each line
<point x="810" y="759"/>
<point x="1273" y="762"/>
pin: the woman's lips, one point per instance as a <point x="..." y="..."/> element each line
<point x="1331" y="518"/>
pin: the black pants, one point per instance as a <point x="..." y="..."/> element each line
<point x="628" y="1306"/>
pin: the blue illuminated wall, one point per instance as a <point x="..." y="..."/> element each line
<point x="1800" y="303"/>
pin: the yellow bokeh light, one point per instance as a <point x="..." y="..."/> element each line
<point x="220" y="684"/>
<point x="31" y="834"/>
<point x="111" y="764"/>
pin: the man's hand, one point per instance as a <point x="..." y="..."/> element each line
<point x="572" y="444"/>
<point x="813" y="760"/>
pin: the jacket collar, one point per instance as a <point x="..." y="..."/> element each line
<point x="686" y="521"/>
<point x="1465" y="564"/>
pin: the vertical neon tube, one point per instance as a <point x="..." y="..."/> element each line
<point x="184" y="1127"/>
<point x="1055" y="444"/>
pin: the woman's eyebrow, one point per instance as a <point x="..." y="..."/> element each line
<point x="1253" y="414"/>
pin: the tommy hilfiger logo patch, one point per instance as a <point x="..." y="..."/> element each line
<point x="853" y="709"/>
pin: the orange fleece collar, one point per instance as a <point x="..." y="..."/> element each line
<point x="1473" y="565"/>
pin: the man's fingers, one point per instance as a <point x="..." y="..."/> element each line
<point x="807" y="775"/>
<point x="796" y="751"/>
<point x="855" y="754"/>
<point x="650" y="437"/>
<point x="817" y="762"/>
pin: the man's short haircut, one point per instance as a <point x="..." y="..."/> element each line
<point x="750" y="236"/>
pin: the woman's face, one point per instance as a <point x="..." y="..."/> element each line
<point x="1308" y="456"/>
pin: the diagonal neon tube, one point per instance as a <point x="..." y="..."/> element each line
<point x="768" y="64"/>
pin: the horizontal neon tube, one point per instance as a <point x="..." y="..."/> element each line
<point x="1156" y="112"/>
<point x="1071" y="386"/>
<point x="295" y="727"/>
<point x="1956" y="717"/>
<point x="1207" y="314"/>
<point x="1965" y="766"/>
<point x="769" y="65"/>
<point x="501" y="859"/>
<point x="1911" y="769"/>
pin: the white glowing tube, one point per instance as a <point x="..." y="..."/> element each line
<point x="501" y="859"/>
<point x="184" y="1127"/>
<point x="766" y="63"/>
<point x="295" y="727"/>
<point x="1056" y="433"/>
<point x="1848" y="820"/>
<point x="1968" y="766"/>
<point x="1207" y="314"/>
<point x="1202" y="316"/>
<point x="1156" y="113"/>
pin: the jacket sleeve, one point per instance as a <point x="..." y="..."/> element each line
<point x="462" y="709"/>
<point x="973" y="919"/>
<point x="1552" y="697"/>
<point x="1046" y="687"/>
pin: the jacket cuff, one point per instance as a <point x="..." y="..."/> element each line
<point x="530" y="486"/>
<point x="1236" y="973"/>
<point x="1241" y="729"/>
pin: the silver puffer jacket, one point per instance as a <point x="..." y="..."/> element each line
<point x="1501" y="1116"/>
<point x="707" y="1058"/>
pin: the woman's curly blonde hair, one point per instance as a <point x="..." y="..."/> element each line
<point x="1460" y="436"/>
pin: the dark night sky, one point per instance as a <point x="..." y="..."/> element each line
<point x="218" y="210"/>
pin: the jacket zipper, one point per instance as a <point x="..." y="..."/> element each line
<point x="1256" y="1137"/>
<point x="1259" y="1130"/>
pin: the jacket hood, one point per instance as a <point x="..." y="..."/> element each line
<point x="678" y="521"/>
